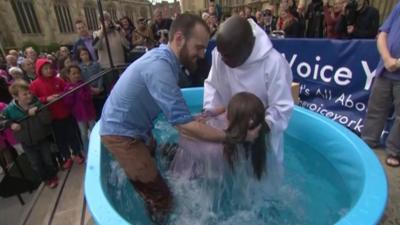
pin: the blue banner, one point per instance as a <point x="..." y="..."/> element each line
<point x="335" y="76"/>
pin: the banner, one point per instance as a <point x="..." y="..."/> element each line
<point x="335" y="76"/>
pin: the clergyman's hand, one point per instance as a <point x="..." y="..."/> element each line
<point x="253" y="134"/>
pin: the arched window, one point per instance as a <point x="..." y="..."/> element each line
<point x="91" y="16"/>
<point x="26" y="16"/>
<point x="63" y="16"/>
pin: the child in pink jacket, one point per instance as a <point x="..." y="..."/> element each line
<point x="80" y="103"/>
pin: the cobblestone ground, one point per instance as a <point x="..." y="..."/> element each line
<point x="392" y="213"/>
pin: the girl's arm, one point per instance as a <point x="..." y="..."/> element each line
<point x="84" y="94"/>
<point x="71" y="98"/>
<point x="35" y="92"/>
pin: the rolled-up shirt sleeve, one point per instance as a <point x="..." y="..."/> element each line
<point x="162" y="84"/>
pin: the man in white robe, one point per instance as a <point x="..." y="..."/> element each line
<point x="245" y="60"/>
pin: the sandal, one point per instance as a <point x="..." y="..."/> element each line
<point x="393" y="161"/>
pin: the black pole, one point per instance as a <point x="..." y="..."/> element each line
<point x="95" y="77"/>
<point x="105" y="32"/>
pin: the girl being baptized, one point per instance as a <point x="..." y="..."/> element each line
<point x="199" y="159"/>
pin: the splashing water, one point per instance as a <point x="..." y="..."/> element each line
<point x="312" y="191"/>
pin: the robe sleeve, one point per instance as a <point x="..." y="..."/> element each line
<point x="278" y="85"/>
<point x="213" y="86"/>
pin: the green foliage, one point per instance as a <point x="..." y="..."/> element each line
<point x="52" y="47"/>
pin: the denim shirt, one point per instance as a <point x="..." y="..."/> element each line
<point x="391" y="26"/>
<point x="147" y="87"/>
<point x="87" y="71"/>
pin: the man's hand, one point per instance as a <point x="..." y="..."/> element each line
<point x="98" y="33"/>
<point x="95" y="91"/>
<point x="15" y="127"/>
<point x="32" y="111"/>
<point x="121" y="30"/>
<point x="391" y="64"/>
<point x="210" y="113"/>
<point x="201" y="118"/>
<point x="350" y="29"/>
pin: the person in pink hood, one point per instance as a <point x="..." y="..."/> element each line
<point x="81" y="104"/>
<point x="47" y="87"/>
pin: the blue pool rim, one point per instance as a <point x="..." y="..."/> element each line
<point x="368" y="208"/>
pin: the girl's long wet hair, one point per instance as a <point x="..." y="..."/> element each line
<point x="245" y="112"/>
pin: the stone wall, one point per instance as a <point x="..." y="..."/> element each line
<point x="11" y="35"/>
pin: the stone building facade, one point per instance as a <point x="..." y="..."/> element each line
<point x="193" y="6"/>
<point x="52" y="21"/>
<point x="197" y="6"/>
<point x="169" y="9"/>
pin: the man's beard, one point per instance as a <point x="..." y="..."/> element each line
<point x="185" y="59"/>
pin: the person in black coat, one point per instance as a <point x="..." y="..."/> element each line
<point x="315" y="19"/>
<point x="160" y="27"/>
<point x="358" y="20"/>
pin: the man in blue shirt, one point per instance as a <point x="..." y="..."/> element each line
<point x="85" y="40"/>
<point x="386" y="90"/>
<point x="147" y="87"/>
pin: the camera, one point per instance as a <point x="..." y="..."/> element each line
<point x="114" y="26"/>
<point x="278" y="34"/>
<point x="162" y="32"/>
<point x="267" y="12"/>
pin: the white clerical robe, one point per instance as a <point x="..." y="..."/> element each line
<point x="267" y="74"/>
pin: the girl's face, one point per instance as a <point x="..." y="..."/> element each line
<point x="67" y="63"/>
<point x="84" y="55"/>
<point x="46" y="70"/>
<point x="74" y="75"/>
